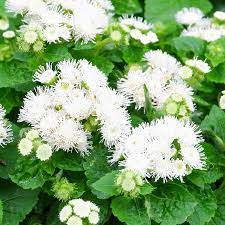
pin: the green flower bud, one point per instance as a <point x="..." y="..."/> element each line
<point x="63" y="189"/>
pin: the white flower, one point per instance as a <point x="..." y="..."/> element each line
<point x="25" y="146"/>
<point x="167" y="148"/>
<point x="189" y="16"/>
<point x="93" y="218"/>
<point x="220" y="15"/>
<point x="9" y="34"/>
<point x="45" y="75"/>
<point x="30" y="36"/>
<point x="65" y="213"/>
<point x="44" y="152"/>
<point x="86" y="28"/>
<point x="222" y="101"/>
<point x="51" y="34"/>
<point x="104" y="4"/>
<point x="4" y="24"/>
<point x="132" y="86"/>
<point x="157" y="59"/>
<point x="93" y="207"/>
<point x="199" y="65"/>
<point x="74" y="220"/>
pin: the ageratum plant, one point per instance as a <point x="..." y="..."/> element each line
<point x="112" y="112"/>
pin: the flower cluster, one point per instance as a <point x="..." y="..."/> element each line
<point x="166" y="81"/>
<point x="59" y="20"/>
<point x="75" y="94"/>
<point x="5" y="129"/>
<point x="138" y="29"/>
<point x="79" y="212"/>
<point x="166" y="148"/>
<point x="32" y="143"/>
<point x="208" y="29"/>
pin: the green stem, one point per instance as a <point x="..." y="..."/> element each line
<point x="100" y="45"/>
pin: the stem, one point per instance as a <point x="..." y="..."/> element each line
<point x="100" y="45"/>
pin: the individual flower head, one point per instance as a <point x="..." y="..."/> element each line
<point x="138" y="29"/>
<point x="44" y="152"/>
<point x="84" y="28"/>
<point x="45" y="75"/>
<point x="189" y="16"/>
<point x="6" y="135"/>
<point x="156" y="59"/>
<point x="4" y="24"/>
<point x="25" y="146"/>
<point x="132" y="86"/>
<point x="9" y="34"/>
<point x="198" y="64"/>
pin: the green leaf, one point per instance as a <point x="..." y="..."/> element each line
<point x="130" y="211"/>
<point x="162" y="12"/>
<point x="55" y="53"/>
<point x="217" y="75"/>
<point x="216" y="51"/>
<point x="219" y="217"/>
<point x="188" y="47"/>
<point x="96" y="166"/>
<point x="206" y="207"/>
<point x="214" y="123"/>
<point x="71" y="161"/>
<point x="132" y="54"/>
<point x="9" y="99"/>
<point x="170" y="204"/>
<point x="17" y="203"/>
<point x="103" y="64"/>
<point x="31" y="173"/>
<point x="13" y="74"/>
<point x="1" y="212"/>
<point x="146" y="189"/>
<point x="106" y="184"/>
<point x="127" y="7"/>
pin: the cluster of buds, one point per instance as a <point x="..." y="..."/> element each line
<point x="32" y="143"/>
<point x="79" y="212"/>
<point x="129" y="183"/>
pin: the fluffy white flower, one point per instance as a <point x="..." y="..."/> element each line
<point x="65" y="213"/>
<point x="5" y="129"/>
<point x="157" y="59"/>
<point x="163" y="154"/>
<point x="44" y="152"/>
<point x="45" y="75"/>
<point x="32" y="134"/>
<point x="25" y="146"/>
<point x="132" y="86"/>
<point x="220" y="15"/>
<point x="81" y="208"/>
<point x="199" y="65"/>
<point x="189" y="16"/>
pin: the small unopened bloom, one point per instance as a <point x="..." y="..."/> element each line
<point x="9" y="34"/>
<point x="25" y="146"/>
<point x="44" y="152"/>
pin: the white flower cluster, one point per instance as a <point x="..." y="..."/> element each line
<point x="60" y="20"/>
<point x="77" y="211"/>
<point x="208" y="29"/>
<point x="5" y="129"/>
<point x="164" y="80"/>
<point x="33" y="142"/>
<point x="166" y="148"/>
<point x="222" y="100"/>
<point x="138" y="29"/>
<point x="76" y="91"/>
